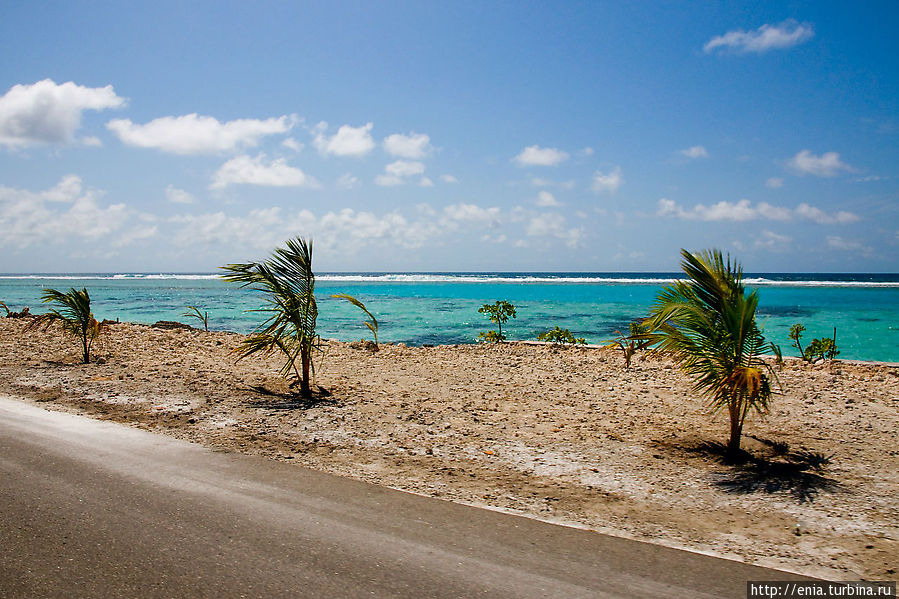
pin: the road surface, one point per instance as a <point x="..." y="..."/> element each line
<point x="99" y="509"/>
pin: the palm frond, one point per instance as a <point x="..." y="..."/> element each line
<point x="372" y="323"/>
<point x="287" y="279"/>
<point x="707" y="325"/>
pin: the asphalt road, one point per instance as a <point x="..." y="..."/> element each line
<point x="98" y="509"/>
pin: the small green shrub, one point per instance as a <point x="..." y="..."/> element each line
<point x="819" y="349"/>
<point x="778" y="354"/>
<point x="630" y="344"/>
<point x="560" y="336"/>
<point x="796" y="335"/>
<point x="498" y="312"/>
<point x="194" y="312"/>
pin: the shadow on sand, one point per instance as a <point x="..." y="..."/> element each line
<point x="290" y="400"/>
<point x="799" y="474"/>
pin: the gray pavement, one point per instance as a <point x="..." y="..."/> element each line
<point x="98" y="509"/>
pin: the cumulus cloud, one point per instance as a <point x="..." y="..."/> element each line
<point x="825" y="165"/>
<point x="822" y="218"/>
<point x="347" y="181"/>
<point x="398" y="172"/>
<point x="546" y="200"/>
<point x="448" y="179"/>
<point x="64" y="212"/>
<point x="348" y="141"/>
<point x="414" y="146"/>
<point x="45" y="112"/>
<point x="836" y="242"/>
<point x="774" y="182"/>
<point x="695" y="152"/>
<point x="178" y="196"/>
<point x="553" y="225"/>
<point x="258" y="171"/>
<point x="773" y="242"/>
<point x="744" y="210"/>
<point x="262" y="229"/>
<point x="607" y="181"/>
<point x="196" y="134"/>
<point x="537" y="156"/>
<point x="471" y="213"/>
<point x="767" y="37"/>
<point x="292" y="144"/>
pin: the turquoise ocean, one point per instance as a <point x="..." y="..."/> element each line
<point x="442" y="308"/>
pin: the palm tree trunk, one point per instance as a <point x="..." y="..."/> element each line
<point x="306" y="358"/>
<point x="85" y="349"/>
<point x="736" y="429"/>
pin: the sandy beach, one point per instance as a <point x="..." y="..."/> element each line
<point x="566" y="435"/>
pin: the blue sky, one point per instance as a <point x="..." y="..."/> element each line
<point x="450" y="136"/>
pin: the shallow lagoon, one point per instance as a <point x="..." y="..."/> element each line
<point x="441" y="308"/>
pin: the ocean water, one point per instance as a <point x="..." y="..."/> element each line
<point x="442" y="308"/>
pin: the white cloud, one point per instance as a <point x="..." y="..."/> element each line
<point x="587" y="151"/>
<point x="607" y="182"/>
<point x="695" y="152"/>
<point x="388" y="180"/>
<point x="773" y="242"/>
<point x="195" y="134"/>
<point x="546" y="200"/>
<point x="256" y="171"/>
<point x="825" y="165"/>
<point x="404" y="168"/>
<point x="397" y="173"/>
<point x="45" y="112"/>
<point x="448" y="179"/>
<point x="836" y="242"/>
<point x="64" y="212"/>
<point x="744" y="210"/>
<point x="767" y="37"/>
<point x="822" y="218"/>
<point x="470" y="213"/>
<point x="136" y="234"/>
<point x="414" y="146"/>
<point x="541" y="182"/>
<point x="262" y="229"/>
<point x="347" y="181"/>
<point x="425" y="182"/>
<point x="92" y="141"/>
<point x="178" y="196"/>
<point x="774" y="182"/>
<point x="292" y="144"/>
<point x="348" y="141"/>
<point x="553" y="225"/>
<point x="537" y="156"/>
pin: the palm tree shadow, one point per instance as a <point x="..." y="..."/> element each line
<point x="290" y="400"/>
<point x="799" y="474"/>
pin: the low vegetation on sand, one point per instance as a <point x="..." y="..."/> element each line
<point x="73" y="313"/>
<point x="707" y="325"/>
<point x="559" y="336"/>
<point x="289" y="284"/>
<point x="194" y="312"/>
<point x="499" y="313"/>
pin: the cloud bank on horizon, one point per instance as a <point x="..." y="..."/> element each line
<point x="583" y="154"/>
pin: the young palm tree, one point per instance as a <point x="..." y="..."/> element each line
<point x="371" y="323"/>
<point x="288" y="280"/>
<point x="74" y="314"/>
<point x="707" y="324"/>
